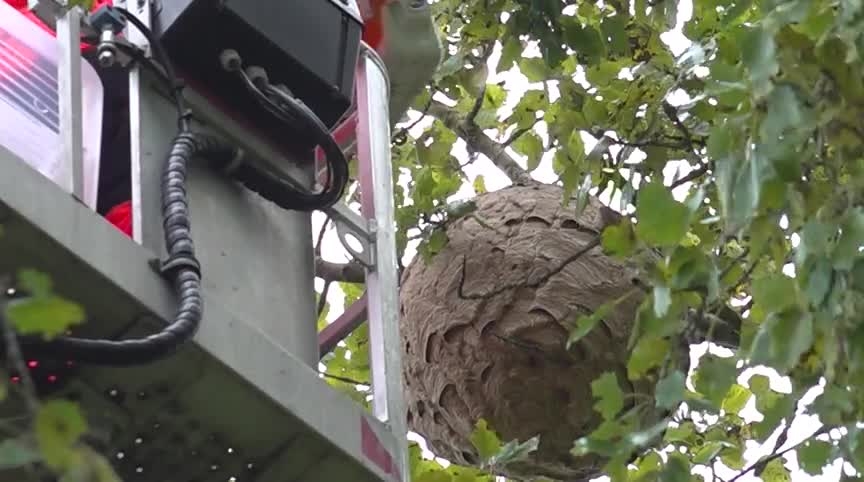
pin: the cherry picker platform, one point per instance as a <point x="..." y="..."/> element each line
<point x="242" y="401"/>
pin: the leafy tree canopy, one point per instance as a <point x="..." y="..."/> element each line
<point x="739" y="158"/>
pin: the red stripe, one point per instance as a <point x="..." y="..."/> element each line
<point x="375" y="451"/>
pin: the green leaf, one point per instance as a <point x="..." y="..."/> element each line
<point x="736" y="399"/>
<point x="662" y="300"/>
<point x="485" y="440"/>
<point x="670" y="390"/>
<point x="49" y="316"/>
<point x="584" y="324"/>
<point x="512" y="50"/>
<point x="91" y="467"/>
<point x="595" y="111"/>
<point x="682" y="433"/>
<point x="534" y="69"/>
<point x="584" y="39"/>
<point x="529" y="145"/>
<point x="818" y="281"/>
<point x="434" y="244"/>
<point x="733" y="458"/>
<point x="514" y="451"/>
<point x="773" y="406"/>
<point x="714" y="377"/>
<point x="709" y="451"/>
<point x="851" y="239"/>
<point x="775" y="292"/>
<point x="814" y="456"/>
<point x="437" y="476"/>
<point x="610" y="398"/>
<point x="760" y="57"/>
<point x="479" y="184"/>
<point x="648" y="353"/>
<point x="784" y="112"/>
<point x="815" y="241"/>
<point x="570" y="181"/>
<point x="661" y="220"/>
<point x="38" y="284"/>
<point x="59" y="424"/>
<point x="776" y="471"/>
<point x="677" y="469"/>
<point x="619" y="240"/>
<point x="16" y="453"/>
<point x="782" y="339"/>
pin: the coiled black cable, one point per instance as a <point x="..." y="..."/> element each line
<point x="181" y="266"/>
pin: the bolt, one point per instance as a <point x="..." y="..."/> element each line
<point x="106" y="58"/>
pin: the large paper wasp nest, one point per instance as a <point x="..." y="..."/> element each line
<point x="485" y="323"/>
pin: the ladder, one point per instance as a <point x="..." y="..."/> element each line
<point x="244" y="402"/>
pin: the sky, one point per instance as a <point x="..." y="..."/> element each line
<point x="803" y="425"/>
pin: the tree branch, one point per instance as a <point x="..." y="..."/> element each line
<point x="764" y="461"/>
<point x="480" y="142"/>
<point x="347" y="380"/>
<point x="691" y="176"/>
<point x="478" y="104"/>
<point x="345" y="272"/>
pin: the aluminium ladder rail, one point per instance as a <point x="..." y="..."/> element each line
<point x="381" y="446"/>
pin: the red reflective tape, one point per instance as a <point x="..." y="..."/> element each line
<point x="375" y="451"/>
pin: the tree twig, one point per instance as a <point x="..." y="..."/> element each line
<point x="761" y="463"/>
<point x="401" y="136"/>
<point x="478" y="104"/>
<point x="518" y="133"/>
<point x="320" y="238"/>
<point x="344" y="379"/>
<point x="14" y="357"/>
<point x="322" y="298"/>
<point x="474" y="136"/>
<point x="351" y="272"/>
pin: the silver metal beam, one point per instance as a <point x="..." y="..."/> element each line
<point x="382" y="281"/>
<point x="140" y="210"/>
<point x="69" y="96"/>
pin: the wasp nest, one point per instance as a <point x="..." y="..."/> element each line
<point x="485" y="324"/>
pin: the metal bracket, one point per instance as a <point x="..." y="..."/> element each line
<point x="348" y="223"/>
<point x="142" y="10"/>
<point x="49" y="11"/>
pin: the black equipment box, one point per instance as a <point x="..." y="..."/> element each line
<point x="310" y="46"/>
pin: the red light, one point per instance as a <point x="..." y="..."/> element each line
<point x="32" y="364"/>
<point x="52" y="378"/>
<point x="16" y="379"/>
